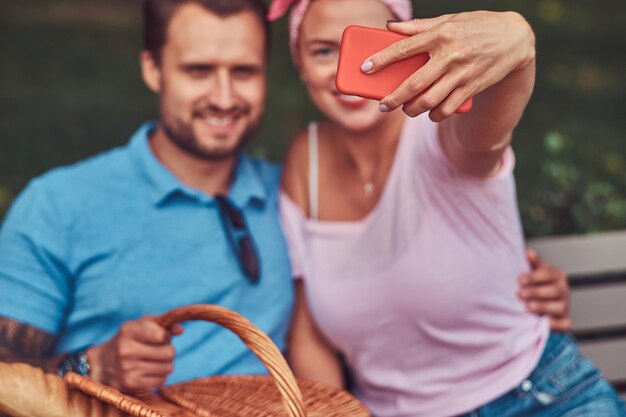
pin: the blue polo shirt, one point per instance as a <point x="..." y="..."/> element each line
<point x="87" y="247"/>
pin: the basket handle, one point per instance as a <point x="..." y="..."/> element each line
<point x="257" y="341"/>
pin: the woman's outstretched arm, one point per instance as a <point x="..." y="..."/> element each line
<point x="486" y="55"/>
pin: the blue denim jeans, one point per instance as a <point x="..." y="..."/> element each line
<point x="564" y="384"/>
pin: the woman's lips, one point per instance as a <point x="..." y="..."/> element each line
<point x="351" y="102"/>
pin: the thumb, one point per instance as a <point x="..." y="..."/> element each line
<point x="534" y="259"/>
<point x="415" y="26"/>
<point x="176" y="329"/>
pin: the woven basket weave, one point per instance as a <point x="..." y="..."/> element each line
<point x="231" y="396"/>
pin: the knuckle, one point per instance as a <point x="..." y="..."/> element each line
<point x="126" y="367"/>
<point x="125" y="329"/>
<point x="403" y="50"/>
<point x="146" y="322"/>
<point x="159" y="335"/>
<point x="467" y="86"/>
<point x="465" y="81"/>
<point x="170" y="352"/>
<point x="460" y="54"/>
<point x="448" y="32"/>
<point x="415" y="85"/>
<point x="123" y="350"/>
<point x="552" y="273"/>
<point x="429" y="101"/>
<point x="129" y="382"/>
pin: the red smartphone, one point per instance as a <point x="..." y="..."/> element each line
<point x="358" y="43"/>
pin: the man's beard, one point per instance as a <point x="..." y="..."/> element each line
<point x="182" y="135"/>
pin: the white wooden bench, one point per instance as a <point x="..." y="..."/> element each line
<point x="596" y="265"/>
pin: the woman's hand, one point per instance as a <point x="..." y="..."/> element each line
<point x="469" y="52"/>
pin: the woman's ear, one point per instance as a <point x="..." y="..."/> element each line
<point x="150" y="71"/>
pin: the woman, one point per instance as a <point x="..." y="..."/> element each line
<point x="405" y="233"/>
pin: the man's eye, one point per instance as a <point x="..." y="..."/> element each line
<point x="244" y="72"/>
<point x="198" y="70"/>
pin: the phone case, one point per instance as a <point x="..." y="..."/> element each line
<point x="358" y="43"/>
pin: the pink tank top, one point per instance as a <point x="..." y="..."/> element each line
<point x="420" y="295"/>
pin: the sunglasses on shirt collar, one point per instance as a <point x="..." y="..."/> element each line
<point x="239" y="238"/>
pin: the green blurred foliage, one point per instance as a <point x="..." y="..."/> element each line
<point x="70" y="87"/>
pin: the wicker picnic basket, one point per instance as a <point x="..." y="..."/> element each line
<point x="231" y="396"/>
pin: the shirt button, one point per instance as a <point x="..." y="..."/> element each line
<point x="527" y="385"/>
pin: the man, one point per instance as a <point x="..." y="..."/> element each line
<point x="137" y="231"/>
<point x="89" y="252"/>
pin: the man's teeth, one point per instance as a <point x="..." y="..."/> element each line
<point x="220" y="121"/>
<point x="350" y="98"/>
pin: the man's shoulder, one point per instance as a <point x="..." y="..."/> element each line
<point x="65" y="192"/>
<point x="83" y="178"/>
<point x="87" y="172"/>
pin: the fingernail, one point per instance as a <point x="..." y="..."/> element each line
<point x="367" y="66"/>
<point x="383" y="108"/>
<point x="393" y="21"/>
<point x="532" y="306"/>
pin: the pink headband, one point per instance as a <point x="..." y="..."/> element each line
<point x="401" y="8"/>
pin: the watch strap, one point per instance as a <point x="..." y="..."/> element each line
<point x="75" y="362"/>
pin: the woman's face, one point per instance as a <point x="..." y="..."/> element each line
<point x="320" y="39"/>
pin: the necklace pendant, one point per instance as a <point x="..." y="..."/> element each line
<point x="368" y="189"/>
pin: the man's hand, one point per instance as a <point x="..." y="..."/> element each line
<point x="138" y="358"/>
<point x="546" y="292"/>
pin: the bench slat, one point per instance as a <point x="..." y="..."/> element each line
<point x="584" y="255"/>
<point x="609" y="356"/>
<point x="602" y="307"/>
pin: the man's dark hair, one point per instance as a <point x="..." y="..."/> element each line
<point x="158" y="13"/>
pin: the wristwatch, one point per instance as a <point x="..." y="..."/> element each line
<point x="75" y="362"/>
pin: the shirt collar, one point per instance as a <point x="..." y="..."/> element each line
<point x="247" y="186"/>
